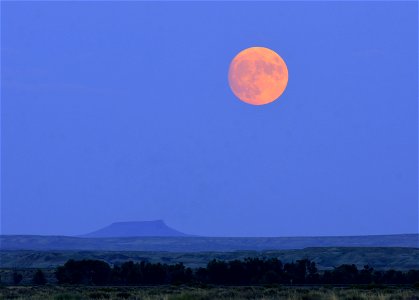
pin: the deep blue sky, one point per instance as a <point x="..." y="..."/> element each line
<point x="122" y="111"/>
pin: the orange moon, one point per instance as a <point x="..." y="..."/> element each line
<point x="258" y="75"/>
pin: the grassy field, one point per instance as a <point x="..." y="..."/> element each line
<point x="186" y="293"/>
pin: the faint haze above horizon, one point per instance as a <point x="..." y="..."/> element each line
<point x="121" y="111"/>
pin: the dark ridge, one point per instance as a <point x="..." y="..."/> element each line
<point x="198" y="244"/>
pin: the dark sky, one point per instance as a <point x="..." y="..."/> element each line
<point x="122" y="111"/>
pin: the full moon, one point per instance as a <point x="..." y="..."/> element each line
<point x="258" y="75"/>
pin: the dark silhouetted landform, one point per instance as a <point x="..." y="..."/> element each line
<point x="200" y="244"/>
<point x="136" y="229"/>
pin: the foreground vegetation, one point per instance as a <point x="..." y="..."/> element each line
<point x="250" y="271"/>
<point x="58" y="292"/>
<point x="251" y="278"/>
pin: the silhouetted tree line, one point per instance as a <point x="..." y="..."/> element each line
<point x="129" y="273"/>
<point x="236" y="272"/>
<point x="37" y="279"/>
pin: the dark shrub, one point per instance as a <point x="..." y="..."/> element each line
<point x="17" y="278"/>
<point x="39" y="278"/>
<point x="84" y="272"/>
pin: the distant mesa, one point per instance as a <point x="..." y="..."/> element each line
<point x="136" y="229"/>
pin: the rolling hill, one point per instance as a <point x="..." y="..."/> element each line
<point x="325" y="258"/>
<point x="199" y="244"/>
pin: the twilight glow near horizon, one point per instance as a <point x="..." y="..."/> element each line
<point x="125" y="111"/>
